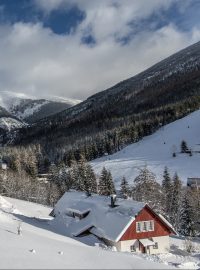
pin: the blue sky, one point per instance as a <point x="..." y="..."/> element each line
<point x="74" y="48"/>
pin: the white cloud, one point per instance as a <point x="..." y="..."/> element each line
<point x="38" y="62"/>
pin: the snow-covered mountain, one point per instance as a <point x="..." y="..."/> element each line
<point x="31" y="109"/>
<point x="156" y="152"/>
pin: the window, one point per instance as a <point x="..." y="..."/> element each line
<point x="145" y="224"/>
<point x="151" y="225"/>
<point x="155" y="246"/>
<point x="132" y="248"/>
<point x="138" y="227"/>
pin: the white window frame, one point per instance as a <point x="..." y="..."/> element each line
<point x="132" y="248"/>
<point x="145" y="226"/>
<point x="139" y="227"/>
<point x="151" y="225"/>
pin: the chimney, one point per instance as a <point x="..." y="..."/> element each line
<point x="113" y="200"/>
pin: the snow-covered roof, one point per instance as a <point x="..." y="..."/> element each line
<point x="102" y="220"/>
<point x="147" y="242"/>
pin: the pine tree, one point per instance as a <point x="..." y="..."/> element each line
<point x="124" y="189"/>
<point x="102" y="188"/>
<point x="91" y="180"/>
<point x="54" y="192"/>
<point x="176" y="201"/>
<point x="184" y="147"/>
<point x="147" y="189"/>
<point x="167" y="190"/>
<point x="106" y="186"/>
<point x="83" y="184"/>
<point x="111" y="186"/>
<point x="74" y="176"/>
<point x="64" y="181"/>
<point x="187" y="226"/>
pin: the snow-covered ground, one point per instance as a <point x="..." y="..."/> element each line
<point x="156" y="150"/>
<point x="41" y="246"/>
<point x="178" y="256"/>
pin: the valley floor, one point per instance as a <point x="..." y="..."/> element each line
<point x="42" y="245"/>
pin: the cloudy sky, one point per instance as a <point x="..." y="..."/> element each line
<point x="75" y="48"/>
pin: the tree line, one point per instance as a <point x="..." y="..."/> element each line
<point x="178" y="204"/>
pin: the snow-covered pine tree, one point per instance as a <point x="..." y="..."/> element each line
<point x="82" y="176"/>
<point x="187" y="224"/>
<point x="147" y="189"/>
<point x="176" y="201"/>
<point x="102" y="187"/>
<point x="73" y="175"/>
<point x="91" y="180"/>
<point x="106" y="186"/>
<point x="111" y="185"/>
<point x="167" y="189"/>
<point x="64" y="180"/>
<point x="124" y="189"/>
<point x="53" y="190"/>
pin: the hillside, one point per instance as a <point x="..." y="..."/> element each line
<point x="41" y="246"/>
<point x="123" y="114"/>
<point x="156" y="151"/>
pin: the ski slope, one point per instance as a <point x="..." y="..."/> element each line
<point x="155" y="152"/>
<point x="42" y="247"/>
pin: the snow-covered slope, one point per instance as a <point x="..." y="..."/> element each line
<point x="43" y="248"/>
<point x="156" y="151"/>
<point x="9" y="123"/>
<point x="27" y="107"/>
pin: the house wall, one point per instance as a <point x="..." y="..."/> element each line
<point x="146" y="214"/>
<point x="163" y="245"/>
<point x="125" y="246"/>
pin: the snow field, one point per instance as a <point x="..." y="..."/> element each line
<point x="156" y="151"/>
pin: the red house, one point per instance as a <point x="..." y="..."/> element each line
<point x="126" y="224"/>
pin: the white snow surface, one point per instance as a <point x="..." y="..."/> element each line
<point x="41" y="246"/>
<point x="155" y="152"/>
<point x="9" y="123"/>
<point x="10" y="99"/>
<point x="70" y="101"/>
<point x="101" y="215"/>
<point x="35" y="107"/>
